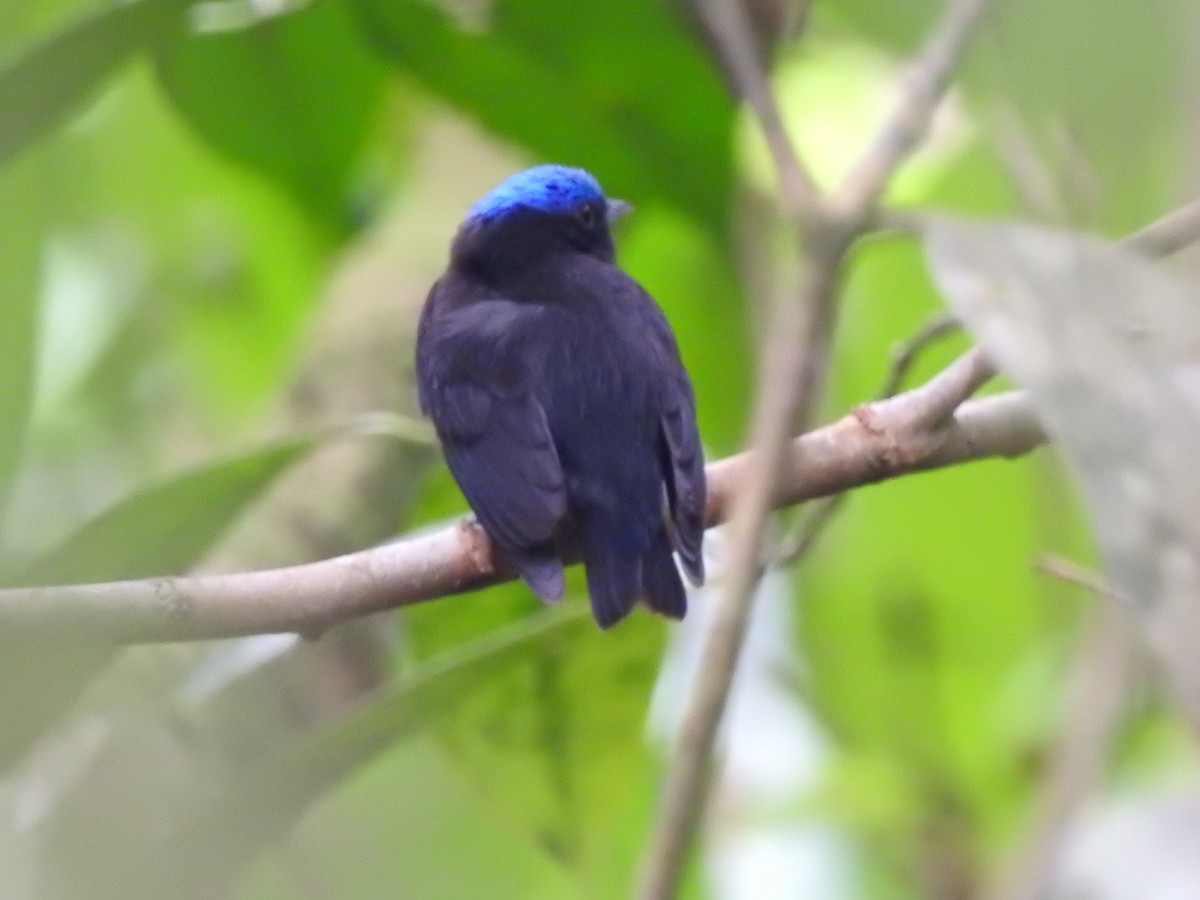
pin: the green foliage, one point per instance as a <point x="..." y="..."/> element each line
<point x="263" y="800"/>
<point x="22" y="223"/>
<point x="166" y="528"/>
<point x="307" y="83"/>
<point x="162" y="530"/>
<point x="614" y="86"/>
<point x="40" y="88"/>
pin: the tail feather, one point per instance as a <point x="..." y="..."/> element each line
<point x="662" y="587"/>
<point x="687" y="536"/>
<point x="542" y="571"/>
<point x="612" y="577"/>
<point x="618" y="579"/>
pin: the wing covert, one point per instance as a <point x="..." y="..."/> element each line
<point x="473" y="378"/>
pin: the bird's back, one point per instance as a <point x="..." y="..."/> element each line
<point x="559" y="397"/>
<point x="610" y="369"/>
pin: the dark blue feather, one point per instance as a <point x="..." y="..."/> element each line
<point x="557" y="390"/>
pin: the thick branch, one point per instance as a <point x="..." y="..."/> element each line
<point x="876" y="441"/>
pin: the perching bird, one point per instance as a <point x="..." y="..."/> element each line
<point x="557" y="391"/>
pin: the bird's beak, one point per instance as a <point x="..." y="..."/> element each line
<point x="617" y="210"/>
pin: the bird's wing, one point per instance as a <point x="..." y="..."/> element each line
<point x="683" y="468"/>
<point x="680" y="453"/>
<point x="473" y="384"/>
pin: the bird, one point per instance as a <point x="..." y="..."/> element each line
<point x="555" y="386"/>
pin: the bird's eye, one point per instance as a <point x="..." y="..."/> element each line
<point x="587" y="215"/>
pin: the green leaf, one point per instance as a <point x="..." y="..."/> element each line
<point x="617" y="87"/>
<point x="22" y="226"/>
<point x="234" y="263"/>
<point x="1107" y="344"/>
<point x="164" y="529"/>
<point x="411" y="815"/>
<point x="556" y="745"/>
<point x="294" y="97"/>
<point x="41" y="88"/>
<point x="1092" y="82"/>
<point x="168" y="527"/>
<point x="261" y="800"/>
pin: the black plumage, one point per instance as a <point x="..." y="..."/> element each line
<point x="557" y="391"/>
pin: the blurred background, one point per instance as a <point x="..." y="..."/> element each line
<point x="218" y="221"/>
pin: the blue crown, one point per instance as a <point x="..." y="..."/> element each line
<point x="551" y="189"/>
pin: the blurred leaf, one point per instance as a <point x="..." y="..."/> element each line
<point x="556" y="745"/>
<point x="616" y="86"/>
<point x="1095" y="82"/>
<point x="294" y="96"/>
<point x="232" y="263"/>
<point x="22" y="228"/>
<point x="1108" y="345"/>
<point x="24" y="23"/>
<point x="206" y="854"/>
<point x="920" y="605"/>
<point x="166" y="528"/>
<point x="410" y="814"/>
<point x="39" y="89"/>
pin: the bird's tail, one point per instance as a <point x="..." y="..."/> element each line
<point x="540" y="568"/>
<point x="617" y="579"/>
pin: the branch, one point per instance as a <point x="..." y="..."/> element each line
<point x="1071" y="572"/>
<point x="790" y="386"/>
<point x="926" y="81"/>
<point x="905" y="354"/>
<point x="1170" y="234"/>
<point x="1097" y="695"/>
<point x="875" y="442"/>
<point x="726" y="20"/>
<point x="789" y="381"/>
<point x="797" y="545"/>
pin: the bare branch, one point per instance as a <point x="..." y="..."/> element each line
<point x="790" y="386"/>
<point x="1099" y="686"/>
<point x="877" y="441"/>
<point x="726" y="20"/>
<point x="906" y="353"/>
<point x="1168" y="235"/>
<point x="927" y="79"/>
<point x="788" y="383"/>
<point x="1074" y="573"/>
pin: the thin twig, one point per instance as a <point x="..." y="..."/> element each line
<point x="792" y="369"/>
<point x="795" y="363"/>
<point x="799" y="542"/>
<point x="786" y="382"/>
<point x="1101" y="677"/>
<point x="1073" y="572"/>
<point x="927" y="80"/>
<point x="801" y="13"/>
<point x="1038" y="187"/>
<point x="726" y="20"/>
<point x="1168" y="235"/>
<point x="905" y="354"/>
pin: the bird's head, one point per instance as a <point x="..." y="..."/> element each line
<point x="539" y="213"/>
